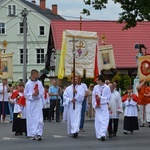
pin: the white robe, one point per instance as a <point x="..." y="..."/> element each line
<point x="34" y="105"/>
<point x="130" y="108"/>
<point x="115" y="105"/>
<point x="73" y="116"/>
<point x="101" y="113"/>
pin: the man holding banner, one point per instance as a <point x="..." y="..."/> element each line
<point x="74" y="115"/>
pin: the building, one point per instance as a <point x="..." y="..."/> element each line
<point x="123" y="41"/>
<point x="11" y="29"/>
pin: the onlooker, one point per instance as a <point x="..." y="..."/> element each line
<point x="54" y="93"/>
<point x="4" y="109"/>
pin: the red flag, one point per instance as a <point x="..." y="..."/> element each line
<point x="96" y="71"/>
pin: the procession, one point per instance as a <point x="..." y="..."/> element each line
<point x="72" y="84"/>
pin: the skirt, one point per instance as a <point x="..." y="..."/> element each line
<point x="19" y="124"/>
<point x="131" y="123"/>
<point x="4" y="109"/>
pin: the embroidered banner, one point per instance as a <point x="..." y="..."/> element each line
<point x="144" y="67"/>
<point x="106" y="56"/>
<point x="84" y="46"/>
<point x="6" y="66"/>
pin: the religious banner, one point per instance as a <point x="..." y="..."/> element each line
<point x="106" y="55"/>
<point x="84" y="45"/>
<point x="6" y="66"/>
<point x="144" y="67"/>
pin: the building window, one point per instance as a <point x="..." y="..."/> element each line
<point x="41" y="30"/>
<point x="40" y="55"/>
<point x="11" y="10"/>
<point x="2" y="28"/>
<point x="21" y="28"/>
<point x="21" y="56"/>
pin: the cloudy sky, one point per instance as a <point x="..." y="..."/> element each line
<point x="70" y="9"/>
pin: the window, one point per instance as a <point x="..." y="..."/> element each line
<point x="41" y="30"/>
<point x="11" y="10"/>
<point x="21" y="56"/>
<point x="40" y="55"/>
<point x="21" y="27"/>
<point x="2" y="28"/>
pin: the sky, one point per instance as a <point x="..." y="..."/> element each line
<point x="71" y="10"/>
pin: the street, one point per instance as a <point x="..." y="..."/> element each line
<point x="55" y="138"/>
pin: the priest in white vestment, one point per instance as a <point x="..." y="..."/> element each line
<point x="100" y="101"/>
<point x="34" y="93"/>
<point x="73" y="115"/>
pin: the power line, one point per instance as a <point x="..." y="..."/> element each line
<point x="11" y="26"/>
<point x="13" y="18"/>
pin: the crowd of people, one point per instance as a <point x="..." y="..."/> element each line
<point x="30" y="104"/>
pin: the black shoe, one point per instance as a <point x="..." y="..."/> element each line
<point x="75" y="135"/>
<point x="102" y="138"/>
<point x="33" y="138"/>
<point x="16" y="134"/>
<point x="114" y="134"/>
<point x="125" y="132"/>
<point x="110" y="135"/>
<point x="38" y="138"/>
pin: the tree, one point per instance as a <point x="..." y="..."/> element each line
<point x="133" y="11"/>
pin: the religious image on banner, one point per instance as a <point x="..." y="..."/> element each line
<point x="6" y="66"/>
<point x="144" y="67"/>
<point x="84" y="44"/>
<point x="106" y="55"/>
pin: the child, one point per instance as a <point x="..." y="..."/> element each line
<point x="130" y="112"/>
<point x="46" y="103"/>
<point x="19" y="121"/>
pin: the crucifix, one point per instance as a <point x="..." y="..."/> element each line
<point x="74" y="55"/>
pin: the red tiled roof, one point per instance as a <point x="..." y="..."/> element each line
<point x="123" y="41"/>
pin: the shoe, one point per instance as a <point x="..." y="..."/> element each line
<point x="114" y="135"/>
<point x="38" y="138"/>
<point x="75" y="135"/>
<point x="125" y="132"/>
<point x="16" y="134"/>
<point x="82" y="130"/>
<point x="142" y="125"/>
<point x="33" y="138"/>
<point x="110" y="135"/>
<point x="20" y="133"/>
<point x="102" y="138"/>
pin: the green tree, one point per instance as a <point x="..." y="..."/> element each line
<point x="133" y="11"/>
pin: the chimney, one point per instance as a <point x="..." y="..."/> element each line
<point x="54" y="9"/>
<point x="43" y="4"/>
<point x="33" y="1"/>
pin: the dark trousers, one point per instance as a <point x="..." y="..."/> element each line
<point x="53" y="104"/>
<point x="46" y="113"/>
<point x="113" y="126"/>
<point x="83" y="114"/>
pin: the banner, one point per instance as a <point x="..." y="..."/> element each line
<point x="84" y="45"/>
<point x="144" y="67"/>
<point x="6" y="66"/>
<point x="106" y="56"/>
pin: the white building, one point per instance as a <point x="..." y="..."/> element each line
<point x="38" y="25"/>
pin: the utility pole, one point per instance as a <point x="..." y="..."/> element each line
<point x="24" y="15"/>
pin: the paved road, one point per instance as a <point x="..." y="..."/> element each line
<point x="55" y="138"/>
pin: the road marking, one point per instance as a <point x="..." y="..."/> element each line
<point x="58" y="136"/>
<point x="7" y="138"/>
